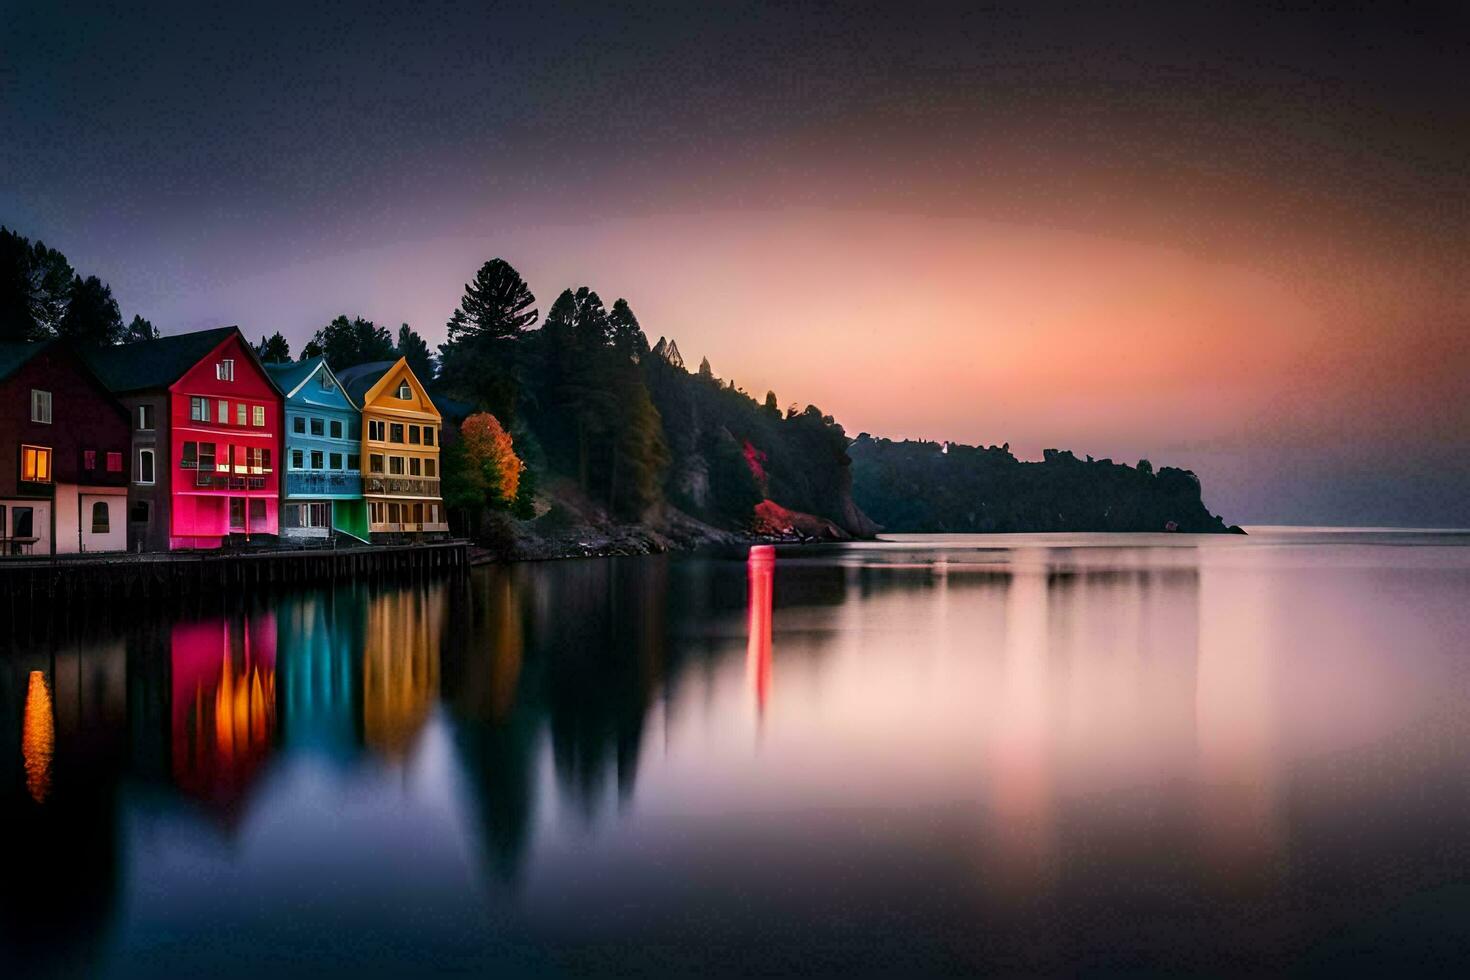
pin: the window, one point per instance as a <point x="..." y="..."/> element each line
<point x="89" y="459"/>
<point x="114" y="462"/>
<point x="35" y="464"/>
<point x="222" y="458"/>
<point x="298" y="459"/>
<point x="354" y="428"/>
<point x="190" y="459"/>
<point x="255" y="459"/>
<point x="433" y="513"/>
<point x="418" y="513"/>
<point x="405" y="393"/>
<point x="224" y="370"/>
<point x="413" y="435"/>
<point x="354" y="461"/>
<point x="395" y="432"/>
<point x="375" y="430"/>
<point x="298" y="424"/>
<point x="145" y="418"/>
<point x="336" y="428"/>
<point x="265" y="460"/>
<point x="239" y="413"/>
<point x="145" y="466"/>
<point x="431" y="467"/>
<point x="198" y="409"/>
<point x="393" y="513"/>
<point x="415" y="466"/>
<point x="237" y="513"/>
<point x="375" y="512"/>
<point x="395" y="465"/>
<point x="206" y="457"/>
<point x="428" y="435"/>
<point x="257" y="416"/>
<point x="317" y="427"/>
<point x="224" y="411"/>
<point x="21" y="525"/>
<point x="316" y="459"/>
<point x="375" y="462"/>
<point x="325" y="380"/>
<point x="101" y="519"/>
<point x="336" y="461"/>
<point x="257" y="514"/>
<point x="40" y="406"/>
<point x="138" y="512"/>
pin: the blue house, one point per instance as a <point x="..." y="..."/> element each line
<point x="322" y="490"/>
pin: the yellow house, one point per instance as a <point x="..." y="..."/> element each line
<point x="401" y="432"/>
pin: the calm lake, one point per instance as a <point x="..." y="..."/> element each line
<point x="1024" y="753"/>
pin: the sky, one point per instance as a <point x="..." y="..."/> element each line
<point x="1230" y="238"/>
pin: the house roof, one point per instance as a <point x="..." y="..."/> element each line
<point x="288" y="374"/>
<point x="358" y="380"/>
<point x="13" y="355"/>
<point x="154" y="363"/>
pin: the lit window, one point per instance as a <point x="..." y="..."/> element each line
<point x="145" y="417"/>
<point x="145" y="466"/>
<point x="198" y="409"/>
<point x="101" y="519"/>
<point x="239" y="413"/>
<point x="35" y="464"/>
<point x="114" y="462"/>
<point x="405" y="393"/>
<point x="224" y="370"/>
<point x="257" y="416"/>
<point x="224" y="412"/>
<point x="40" y="406"/>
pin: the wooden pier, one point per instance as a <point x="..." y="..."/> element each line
<point x="36" y="583"/>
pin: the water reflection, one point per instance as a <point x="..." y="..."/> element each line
<point x="1102" y="753"/>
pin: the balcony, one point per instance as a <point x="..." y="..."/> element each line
<point x="410" y="486"/>
<point x="323" y="485"/>
<point x="222" y="481"/>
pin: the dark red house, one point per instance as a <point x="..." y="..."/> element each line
<point x="63" y="454"/>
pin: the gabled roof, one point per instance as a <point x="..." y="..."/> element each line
<point x="14" y="355"/>
<point x="289" y="376"/>
<point x="358" y="380"/>
<point x="155" y="363"/>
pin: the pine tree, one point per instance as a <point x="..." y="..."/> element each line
<point x="627" y="335"/>
<point x="274" y="349"/>
<point x="413" y="347"/>
<point x="480" y="360"/>
<point x="92" y="316"/>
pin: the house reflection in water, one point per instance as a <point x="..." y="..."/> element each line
<point x="319" y="646"/>
<point x="38" y="737"/>
<point x="761" y="574"/>
<point x="223" y="716"/>
<point x="400" y="666"/>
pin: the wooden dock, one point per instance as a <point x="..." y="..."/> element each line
<point x="34" y="583"/>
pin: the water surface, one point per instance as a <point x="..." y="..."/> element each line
<point x="1029" y="753"/>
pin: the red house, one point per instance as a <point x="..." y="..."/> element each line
<point x="63" y="453"/>
<point x="206" y="443"/>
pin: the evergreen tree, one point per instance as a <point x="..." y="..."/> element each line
<point x="413" y="347"/>
<point x="705" y="371"/>
<point x="92" y="316"/>
<point x="274" y="349"/>
<point x="139" y="330"/>
<point x="772" y="407"/>
<point x="479" y="361"/>
<point x="627" y="335"/>
<point x="35" y="286"/>
<point x="346" y="343"/>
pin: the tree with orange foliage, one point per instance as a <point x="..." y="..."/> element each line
<point x="481" y="467"/>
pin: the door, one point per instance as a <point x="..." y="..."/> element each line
<point x="237" y="513"/>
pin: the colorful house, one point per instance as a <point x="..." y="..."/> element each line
<point x="63" y="453"/>
<point x="206" y="438"/>
<point x="400" y="449"/>
<point x="323" y="440"/>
